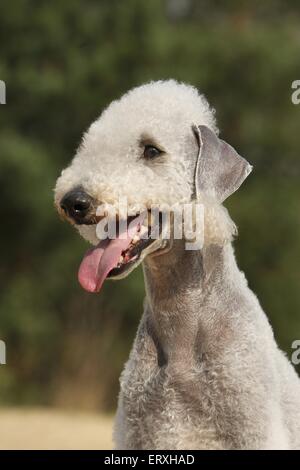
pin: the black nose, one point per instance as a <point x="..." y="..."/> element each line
<point x="76" y="204"/>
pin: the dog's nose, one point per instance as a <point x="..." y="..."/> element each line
<point x="76" y="204"/>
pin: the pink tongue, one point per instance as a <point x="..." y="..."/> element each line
<point x="99" y="261"/>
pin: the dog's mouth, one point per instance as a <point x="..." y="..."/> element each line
<point x="113" y="258"/>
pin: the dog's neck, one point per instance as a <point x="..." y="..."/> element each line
<point x="186" y="291"/>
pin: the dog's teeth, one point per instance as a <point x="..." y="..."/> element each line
<point x="121" y="259"/>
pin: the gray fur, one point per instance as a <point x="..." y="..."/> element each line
<point x="220" y="170"/>
<point x="205" y="371"/>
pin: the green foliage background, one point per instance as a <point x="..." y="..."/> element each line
<point x="63" y="62"/>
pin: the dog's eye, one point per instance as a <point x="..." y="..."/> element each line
<point x="151" y="152"/>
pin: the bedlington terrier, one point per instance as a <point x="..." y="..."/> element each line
<point x="205" y="371"/>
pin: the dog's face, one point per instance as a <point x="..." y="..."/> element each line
<point x="142" y="150"/>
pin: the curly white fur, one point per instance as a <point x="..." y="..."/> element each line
<point x="108" y="162"/>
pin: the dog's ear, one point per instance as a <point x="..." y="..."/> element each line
<point x="220" y="170"/>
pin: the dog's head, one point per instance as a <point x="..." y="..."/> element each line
<point x="156" y="147"/>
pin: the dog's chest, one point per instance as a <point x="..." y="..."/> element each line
<point x="160" y="411"/>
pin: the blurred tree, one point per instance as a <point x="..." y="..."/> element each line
<point x="63" y="62"/>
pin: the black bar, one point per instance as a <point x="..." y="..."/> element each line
<point x="136" y="459"/>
